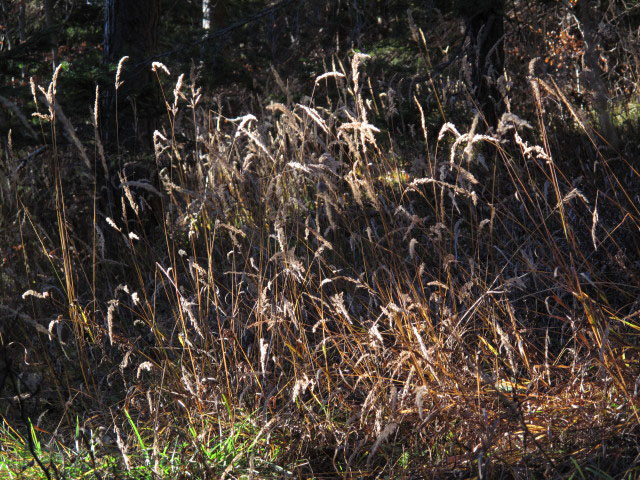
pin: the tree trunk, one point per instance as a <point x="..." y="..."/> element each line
<point x="206" y="14"/>
<point x="22" y="30"/>
<point x="219" y="14"/>
<point x="592" y="74"/>
<point x="5" y="37"/>
<point x="49" y="22"/>
<point x="131" y="29"/>
<point x="214" y="14"/>
<point x="486" y="56"/>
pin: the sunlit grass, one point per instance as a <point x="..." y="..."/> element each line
<point x="286" y="296"/>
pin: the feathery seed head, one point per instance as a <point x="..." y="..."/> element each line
<point x="157" y="65"/>
<point x="54" y="79"/>
<point x="118" y="83"/>
<point x="95" y="107"/>
<point x="32" y="83"/>
<point x="329" y="74"/>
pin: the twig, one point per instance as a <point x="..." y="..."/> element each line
<point x="9" y="105"/>
<point x="24" y="160"/>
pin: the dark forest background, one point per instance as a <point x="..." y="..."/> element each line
<point x="319" y="239"/>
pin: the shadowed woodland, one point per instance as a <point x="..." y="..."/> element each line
<point x="319" y="239"/>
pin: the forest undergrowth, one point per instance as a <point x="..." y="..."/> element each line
<point x="294" y="292"/>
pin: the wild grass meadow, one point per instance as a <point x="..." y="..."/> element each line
<point x="331" y="280"/>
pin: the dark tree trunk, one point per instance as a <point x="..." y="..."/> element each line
<point x="220" y="15"/>
<point x="53" y="38"/>
<point x="486" y="56"/>
<point x="214" y="14"/>
<point x="131" y="29"/>
<point x="22" y="29"/>
<point x="6" y="36"/>
<point x="592" y="74"/>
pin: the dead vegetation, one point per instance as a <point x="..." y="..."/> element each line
<point x="341" y="307"/>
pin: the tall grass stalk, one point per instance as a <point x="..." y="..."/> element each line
<point x="467" y="310"/>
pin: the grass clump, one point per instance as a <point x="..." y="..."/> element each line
<point x="287" y="294"/>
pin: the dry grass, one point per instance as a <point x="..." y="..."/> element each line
<point x="290" y="281"/>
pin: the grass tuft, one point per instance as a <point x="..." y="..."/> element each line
<point x="286" y="293"/>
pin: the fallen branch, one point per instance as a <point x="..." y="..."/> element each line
<point x="24" y="160"/>
<point x="9" y="105"/>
